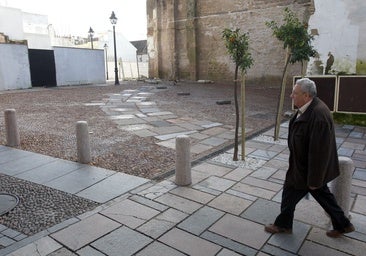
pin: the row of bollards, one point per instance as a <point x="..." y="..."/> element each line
<point x="340" y="187"/>
<point x="183" y="153"/>
<point x="82" y="136"/>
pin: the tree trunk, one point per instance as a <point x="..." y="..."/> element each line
<point x="303" y="67"/>
<point x="282" y="96"/>
<point x="243" y="116"/>
<point x="235" y="156"/>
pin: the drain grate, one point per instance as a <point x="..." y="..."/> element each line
<point x="7" y="202"/>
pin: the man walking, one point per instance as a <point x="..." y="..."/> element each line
<point x="313" y="161"/>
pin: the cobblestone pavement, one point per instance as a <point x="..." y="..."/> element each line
<point x="221" y="213"/>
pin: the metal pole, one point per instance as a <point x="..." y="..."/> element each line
<point x="116" y="81"/>
<point x="91" y="40"/>
<point x="137" y="64"/>
<point x="106" y="61"/>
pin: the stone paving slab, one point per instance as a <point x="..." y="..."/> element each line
<point x="291" y="242"/>
<point x="25" y="164"/>
<point x="43" y="246"/>
<point x="254" y="191"/>
<point x="193" y="194"/>
<point x="230" y="203"/>
<point x="80" y="179"/>
<point x="241" y="230"/>
<point x="113" y="245"/>
<point x="85" y="231"/>
<point x="179" y="203"/>
<point x="345" y="244"/>
<point x="212" y="169"/>
<point x="130" y="213"/>
<point x="229" y="244"/>
<point x="111" y="187"/>
<point x="200" y="148"/>
<point x="159" y="249"/>
<point x="199" y="221"/>
<point x="189" y="244"/>
<point x="49" y="171"/>
<point x="262" y="211"/>
<point x="315" y="249"/>
<point x="360" y="204"/>
<point x="89" y="251"/>
<point x="11" y="154"/>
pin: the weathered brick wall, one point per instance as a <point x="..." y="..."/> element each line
<point x="185" y="38"/>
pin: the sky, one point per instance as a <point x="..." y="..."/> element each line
<point x="74" y="17"/>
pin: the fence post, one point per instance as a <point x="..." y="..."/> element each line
<point x="82" y="141"/>
<point x="341" y="186"/>
<point x="183" y="161"/>
<point x="11" y="128"/>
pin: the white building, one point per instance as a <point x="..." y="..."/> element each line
<point x="18" y="26"/>
<point x="338" y="27"/>
<point x="34" y="28"/>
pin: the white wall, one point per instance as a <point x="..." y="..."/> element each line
<point x="11" y="23"/>
<point x="79" y="66"/>
<point x="341" y="26"/>
<point x="14" y="67"/>
<point x="126" y="55"/>
<point x="18" y="25"/>
<point x="35" y="27"/>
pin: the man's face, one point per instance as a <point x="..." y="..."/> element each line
<point x="299" y="97"/>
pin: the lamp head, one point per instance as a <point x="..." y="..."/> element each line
<point x="91" y="31"/>
<point x="113" y="19"/>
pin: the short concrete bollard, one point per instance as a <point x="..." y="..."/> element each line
<point x="82" y="141"/>
<point x="183" y="161"/>
<point x="341" y="186"/>
<point x="11" y="128"/>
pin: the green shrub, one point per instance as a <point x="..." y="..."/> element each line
<point x="351" y="119"/>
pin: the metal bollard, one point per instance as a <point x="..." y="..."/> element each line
<point x="183" y="161"/>
<point x="341" y="186"/>
<point x="11" y="128"/>
<point x="82" y="141"/>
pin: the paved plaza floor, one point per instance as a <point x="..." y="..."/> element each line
<point x="223" y="211"/>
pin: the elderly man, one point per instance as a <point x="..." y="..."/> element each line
<point x="313" y="161"/>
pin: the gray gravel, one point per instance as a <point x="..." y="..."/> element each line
<point x="39" y="207"/>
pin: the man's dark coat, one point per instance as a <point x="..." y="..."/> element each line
<point x="313" y="151"/>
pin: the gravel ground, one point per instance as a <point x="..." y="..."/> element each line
<point x="47" y="116"/>
<point x="39" y="206"/>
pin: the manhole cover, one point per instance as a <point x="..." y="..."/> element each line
<point x="7" y="202"/>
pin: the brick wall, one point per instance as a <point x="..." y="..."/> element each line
<point x="184" y="38"/>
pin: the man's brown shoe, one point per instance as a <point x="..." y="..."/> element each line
<point x="272" y="228"/>
<point x="337" y="233"/>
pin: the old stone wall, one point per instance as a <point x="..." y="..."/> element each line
<point x="185" y="38"/>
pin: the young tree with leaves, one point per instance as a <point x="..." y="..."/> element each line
<point x="237" y="45"/>
<point x="297" y="42"/>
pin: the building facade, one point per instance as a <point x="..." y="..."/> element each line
<point x="185" y="37"/>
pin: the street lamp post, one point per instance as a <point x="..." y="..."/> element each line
<point x="113" y="20"/>
<point x="106" y="58"/>
<point x="91" y="34"/>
